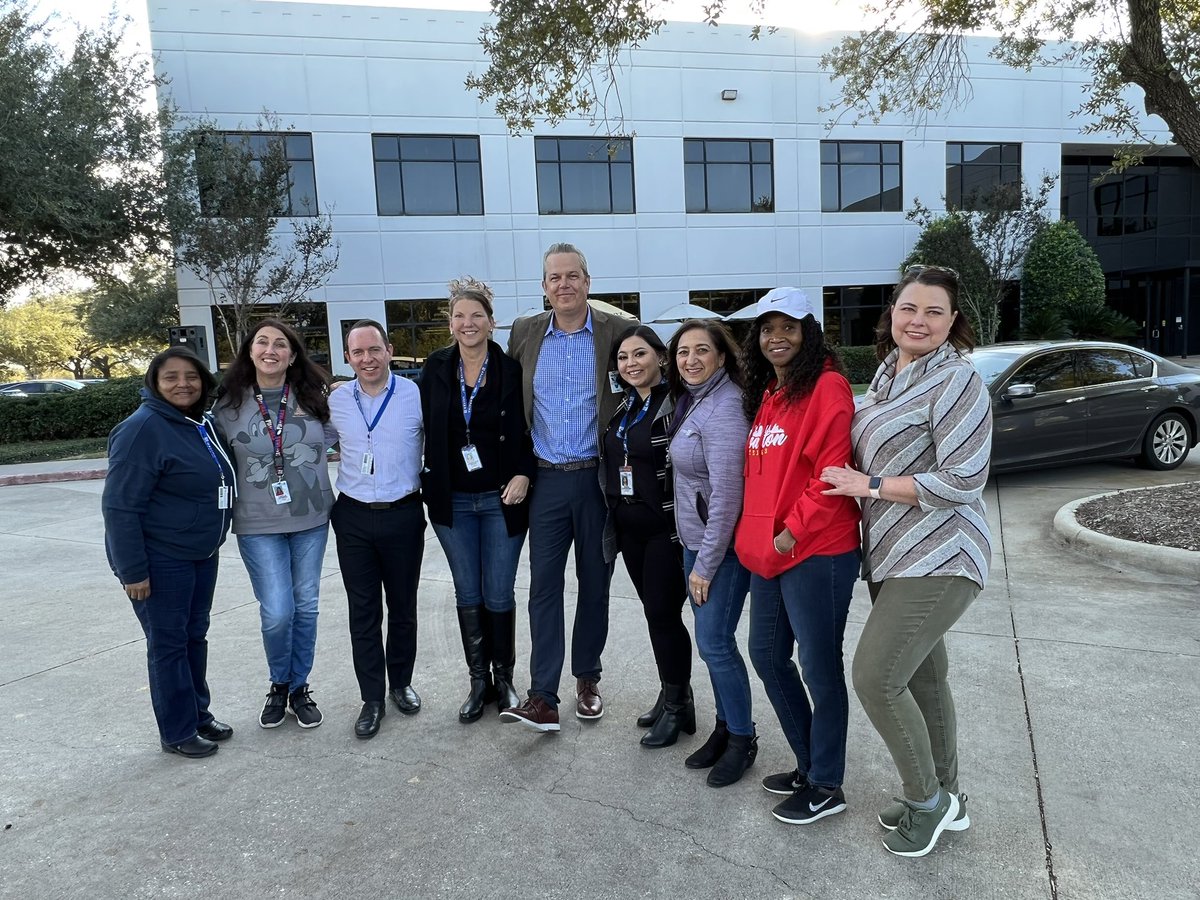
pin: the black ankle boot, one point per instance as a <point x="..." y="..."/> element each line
<point x="708" y="755"/>
<point x="737" y="758"/>
<point x="650" y="716"/>
<point x="502" y="628"/>
<point x="470" y="623"/>
<point x="678" y="714"/>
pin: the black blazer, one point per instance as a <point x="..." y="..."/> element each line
<point x="439" y="388"/>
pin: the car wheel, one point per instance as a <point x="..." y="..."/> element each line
<point x="1167" y="442"/>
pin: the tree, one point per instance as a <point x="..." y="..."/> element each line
<point x="999" y="224"/>
<point x="1063" y="289"/>
<point x="556" y="58"/>
<point x="78" y="189"/>
<point x="45" y="336"/>
<point x="135" y="311"/>
<point x="949" y="241"/>
<point x="226" y="195"/>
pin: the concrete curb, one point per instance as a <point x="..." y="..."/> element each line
<point x="45" y="477"/>
<point x="1111" y="550"/>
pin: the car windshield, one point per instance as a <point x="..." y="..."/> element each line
<point x="990" y="362"/>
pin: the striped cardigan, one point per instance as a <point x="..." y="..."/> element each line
<point x="933" y="421"/>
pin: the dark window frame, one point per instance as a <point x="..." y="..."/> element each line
<point x="294" y="202"/>
<point x="461" y="167"/>
<point x="543" y="161"/>
<point x="883" y="166"/>
<point x="960" y="172"/>
<point x="710" y="168"/>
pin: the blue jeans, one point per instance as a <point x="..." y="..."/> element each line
<point x="483" y="558"/>
<point x="806" y="607"/>
<point x="716" y="640"/>
<point x="175" y="620"/>
<point x="285" y="572"/>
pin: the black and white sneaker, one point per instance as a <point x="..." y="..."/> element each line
<point x="809" y="804"/>
<point x="785" y="783"/>
<point x="275" y="709"/>
<point x="302" y="706"/>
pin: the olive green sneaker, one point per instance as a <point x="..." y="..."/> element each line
<point x="889" y="818"/>
<point x="919" y="829"/>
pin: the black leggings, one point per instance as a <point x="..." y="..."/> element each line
<point x="655" y="565"/>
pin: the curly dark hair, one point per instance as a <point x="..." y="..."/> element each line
<point x="307" y="380"/>
<point x="207" y="382"/>
<point x="722" y="341"/>
<point x="802" y="372"/>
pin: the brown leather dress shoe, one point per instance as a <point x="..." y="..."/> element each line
<point x="534" y="713"/>
<point x="588" y="704"/>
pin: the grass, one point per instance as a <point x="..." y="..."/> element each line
<point x="46" y="451"/>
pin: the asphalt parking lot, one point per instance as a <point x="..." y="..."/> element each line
<point x="1076" y="684"/>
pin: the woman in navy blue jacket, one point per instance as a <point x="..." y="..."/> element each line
<point x="167" y="504"/>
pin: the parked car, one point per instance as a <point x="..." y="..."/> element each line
<point x="1056" y="402"/>
<point x="41" y="386"/>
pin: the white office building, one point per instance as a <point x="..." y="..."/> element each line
<point x="729" y="182"/>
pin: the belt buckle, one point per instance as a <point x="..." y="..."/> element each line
<point x="379" y="505"/>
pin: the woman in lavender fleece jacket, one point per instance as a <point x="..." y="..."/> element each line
<point x="708" y="448"/>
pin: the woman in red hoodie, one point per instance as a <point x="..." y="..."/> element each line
<point x="801" y="546"/>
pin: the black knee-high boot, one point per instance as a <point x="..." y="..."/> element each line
<point x="503" y="631"/>
<point x="470" y="623"/>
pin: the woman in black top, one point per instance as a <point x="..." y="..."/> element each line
<point x="478" y="464"/>
<point x="635" y="474"/>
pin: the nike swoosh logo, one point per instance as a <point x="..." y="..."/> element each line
<point x="819" y="806"/>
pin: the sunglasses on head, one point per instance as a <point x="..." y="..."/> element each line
<point x="918" y="269"/>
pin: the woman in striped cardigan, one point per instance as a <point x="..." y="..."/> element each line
<point x="922" y="445"/>
<point x="635" y="475"/>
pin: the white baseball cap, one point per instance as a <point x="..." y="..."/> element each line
<point x="790" y="301"/>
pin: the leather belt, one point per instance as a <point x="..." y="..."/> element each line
<point x="569" y="466"/>
<point x="390" y="504"/>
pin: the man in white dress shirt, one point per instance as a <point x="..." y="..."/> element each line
<point x="379" y="521"/>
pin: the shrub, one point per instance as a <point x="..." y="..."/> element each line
<point x="1061" y="272"/>
<point x="88" y="413"/>
<point x="860" y="363"/>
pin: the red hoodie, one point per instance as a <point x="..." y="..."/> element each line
<point x="790" y="444"/>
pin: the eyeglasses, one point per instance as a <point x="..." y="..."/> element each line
<point x="918" y="269"/>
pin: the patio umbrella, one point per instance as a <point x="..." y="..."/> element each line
<point x="681" y="312"/>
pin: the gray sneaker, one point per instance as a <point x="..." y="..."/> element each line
<point x="919" y="829"/>
<point x="889" y="818"/>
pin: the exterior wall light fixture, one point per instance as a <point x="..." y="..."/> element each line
<point x="729" y="94"/>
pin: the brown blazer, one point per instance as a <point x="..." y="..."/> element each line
<point x="525" y="344"/>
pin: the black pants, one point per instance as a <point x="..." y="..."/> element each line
<point x="379" y="551"/>
<point x="655" y="565"/>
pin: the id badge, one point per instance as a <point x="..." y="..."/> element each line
<point x="626" y="481"/>
<point x="471" y="458"/>
<point x="223" y="497"/>
<point x="613" y="384"/>
<point x="368" y="463"/>
<point x="279" y="490"/>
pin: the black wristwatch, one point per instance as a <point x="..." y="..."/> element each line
<point x="874" y="485"/>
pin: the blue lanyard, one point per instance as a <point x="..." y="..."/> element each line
<point x="379" y="412"/>
<point x="625" y="427"/>
<point x="211" y="452"/>
<point x="469" y="404"/>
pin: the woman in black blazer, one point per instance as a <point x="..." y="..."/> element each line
<point x="478" y="465"/>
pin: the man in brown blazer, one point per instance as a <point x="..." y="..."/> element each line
<point x="564" y="354"/>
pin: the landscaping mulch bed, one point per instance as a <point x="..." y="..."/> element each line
<point x="1167" y="516"/>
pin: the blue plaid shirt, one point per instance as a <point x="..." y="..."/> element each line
<point x="565" y="426"/>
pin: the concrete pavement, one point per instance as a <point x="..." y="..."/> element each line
<point x="1076" y="686"/>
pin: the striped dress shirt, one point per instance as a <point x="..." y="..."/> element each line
<point x="565" y="406"/>
<point x="933" y="421"/>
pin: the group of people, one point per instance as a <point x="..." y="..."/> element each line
<point x="715" y="472"/>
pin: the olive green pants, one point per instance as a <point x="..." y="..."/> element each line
<point x="900" y="676"/>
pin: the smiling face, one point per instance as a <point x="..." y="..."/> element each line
<point x="271" y="353"/>
<point x="696" y="356"/>
<point x="779" y="339"/>
<point x="566" y="286"/>
<point x="179" y="383"/>
<point x="921" y="320"/>
<point x="638" y="364"/>
<point x="370" y="356"/>
<point x="470" y="324"/>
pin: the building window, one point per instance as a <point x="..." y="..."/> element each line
<point x="728" y="176"/>
<point x="1127" y="206"/>
<point x="297" y="150"/>
<point x="415" y="329"/>
<point x="584" y="175"/>
<point x="975" y="171"/>
<point x="309" y="320"/>
<point x="726" y="302"/>
<point x="860" y="176"/>
<point x="626" y="302"/>
<point x="852" y="312"/>
<point x="427" y="175"/>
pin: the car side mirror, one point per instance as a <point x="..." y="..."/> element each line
<point x="1015" y="391"/>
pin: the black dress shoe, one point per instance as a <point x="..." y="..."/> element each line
<point x="367" y="725"/>
<point x="406" y="700"/>
<point x="215" y="731"/>
<point x="195" y="747"/>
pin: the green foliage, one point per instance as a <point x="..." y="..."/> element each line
<point x="949" y="241"/>
<point x="1043" y="324"/>
<point x="135" y="311"/>
<point x="860" y="363"/>
<point x="45" y="451"/>
<point x="77" y="187"/>
<point x="48" y="336"/>
<point x="225" y="199"/>
<point x="1061" y="271"/>
<point x="1102" y="323"/>
<point x="89" y="413"/>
